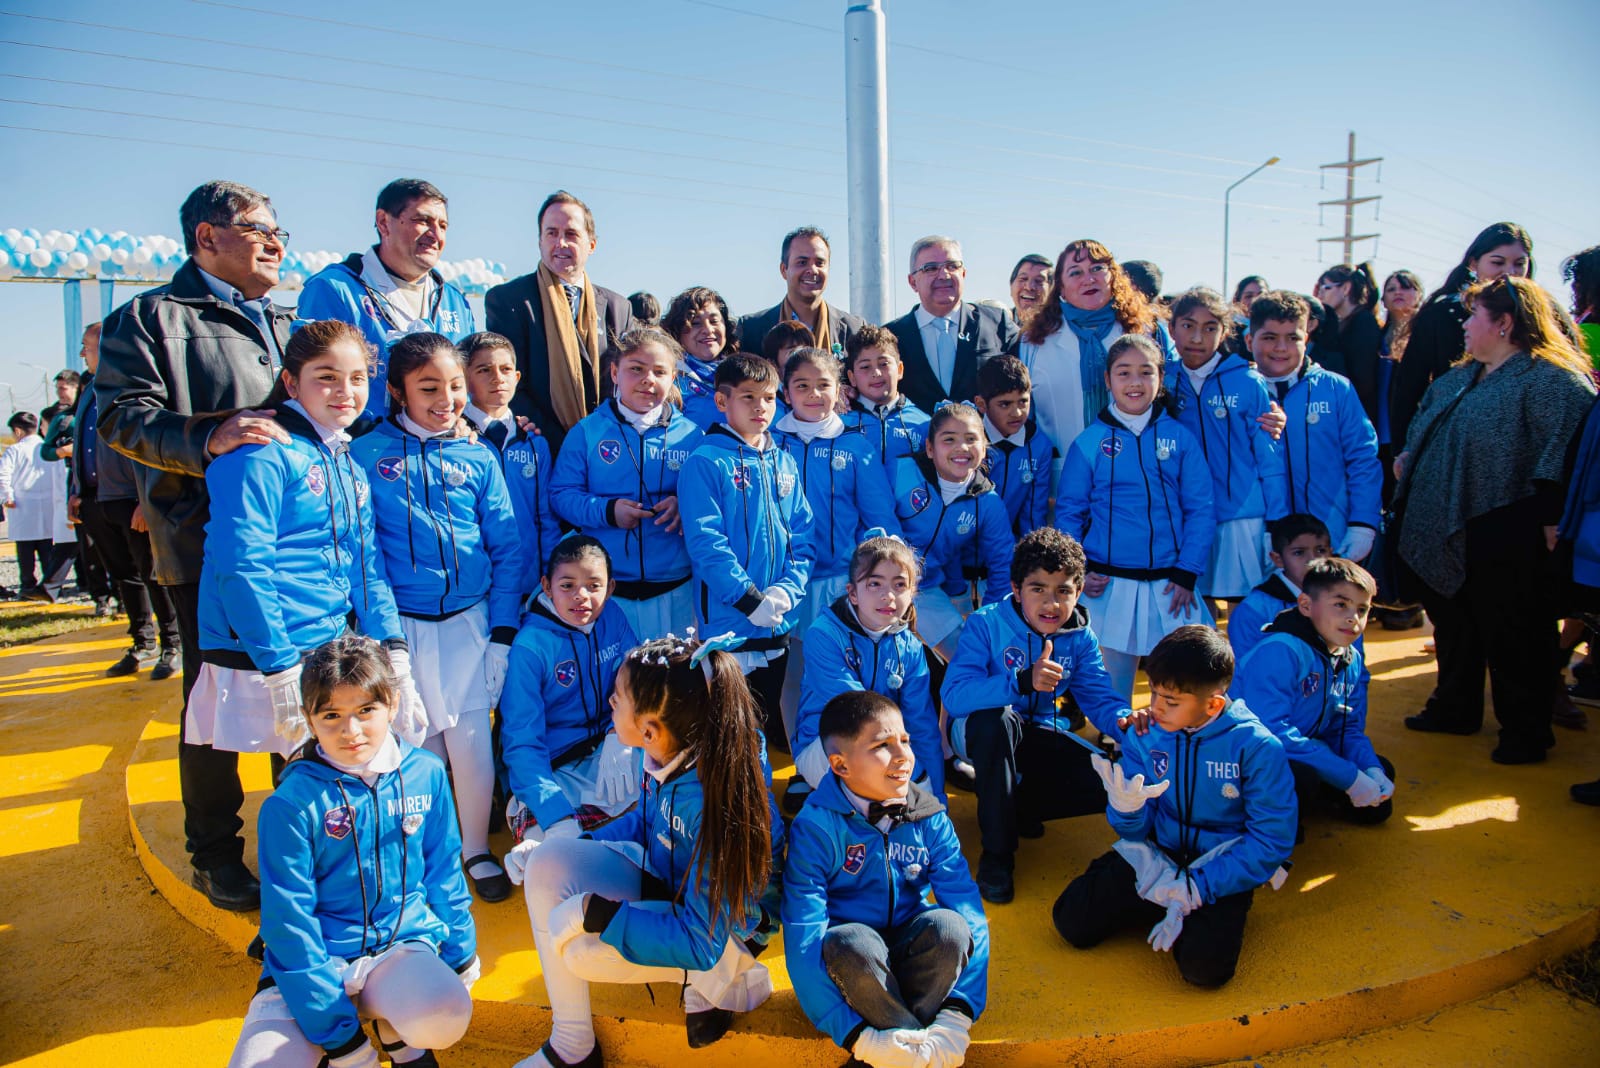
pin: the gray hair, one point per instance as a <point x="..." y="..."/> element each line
<point x="922" y="244"/>
<point x="217" y="203"/>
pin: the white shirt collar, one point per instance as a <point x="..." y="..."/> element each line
<point x="550" y="606"/>
<point x="925" y="317"/>
<point x="1198" y="375"/>
<point x="642" y="421"/>
<point x="1287" y="581"/>
<point x="808" y="432"/>
<point x="861" y="805"/>
<point x="659" y="772"/>
<point x="415" y="428"/>
<point x="330" y="435"/>
<point x="1019" y="439"/>
<point x="892" y="628"/>
<point x="387" y="760"/>
<point x="1134" y="423"/>
<point x="951" y="490"/>
<point x="481" y="419"/>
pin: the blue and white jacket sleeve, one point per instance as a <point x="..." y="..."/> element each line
<point x="1134" y="826"/>
<point x="523" y="741"/>
<point x="705" y="530"/>
<point x="874" y="494"/>
<point x="443" y="882"/>
<point x="370" y="592"/>
<point x="670" y="936"/>
<point x="954" y="889"/>
<point x="247" y="488"/>
<point x="813" y="856"/>
<point x="976" y="680"/>
<point x="996" y="544"/>
<point x="503" y="542"/>
<point x="1074" y="491"/>
<point x="1268" y="454"/>
<point x="1270" y="814"/>
<point x="802" y="546"/>
<point x="827" y="675"/>
<point x="1195" y="492"/>
<point x="1363" y="470"/>
<point x="1091" y="687"/>
<point x="570" y="494"/>
<point x="1269" y="683"/>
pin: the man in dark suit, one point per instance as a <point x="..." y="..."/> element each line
<point x="944" y="339"/>
<point x="562" y="356"/>
<point x="804" y="268"/>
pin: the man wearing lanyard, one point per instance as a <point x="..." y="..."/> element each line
<point x="393" y="288"/>
<point x="804" y="269"/>
<point x="183" y="368"/>
<point x="944" y="339"/>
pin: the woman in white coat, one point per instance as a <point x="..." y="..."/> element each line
<point x="27" y="489"/>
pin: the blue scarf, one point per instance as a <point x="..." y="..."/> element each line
<point x="1091" y="328"/>
<point x="703" y="373"/>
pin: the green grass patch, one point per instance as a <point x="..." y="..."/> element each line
<point x="28" y="621"/>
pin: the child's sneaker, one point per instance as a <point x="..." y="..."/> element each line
<point x="995" y="883"/>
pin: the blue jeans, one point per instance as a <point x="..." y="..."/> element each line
<point x="899" y="977"/>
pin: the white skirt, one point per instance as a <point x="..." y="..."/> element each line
<point x="231" y="709"/>
<point x="819" y="597"/>
<point x="1238" y="559"/>
<point x="656" y="617"/>
<point x="447" y="665"/>
<point x="939" y="615"/>
<point x="1132" y="615"/>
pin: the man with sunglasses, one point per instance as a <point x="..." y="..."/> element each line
<point x="944" y="339"/>
<point x="184" y="368"/>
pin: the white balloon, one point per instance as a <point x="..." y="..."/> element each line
<point x="24" y="244"/>
<point x="12" y="234"/>
<point x="6" y="268"/>
<point x="102" y="252"/>
<point x="77" y="261"/>
<point x="142" y="257"/>
<point x="119" y="256"/>
<point x="39" y="258"/>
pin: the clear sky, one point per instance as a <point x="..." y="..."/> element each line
<point x="701" y="131"/>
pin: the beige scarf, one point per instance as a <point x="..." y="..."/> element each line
<point x="789" y="313"/>
<point x="570" y="348"/>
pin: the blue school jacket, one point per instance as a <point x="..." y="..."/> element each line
<point x="1258" y="609"/>
<point x="1580" y="524"/>
<point x="993" y="667"/>
<point x="525" y="463"/>
<point x="1021" y="475"/>
<point x="339" y="292"/>
<point x="1230" y="779"/>
<point x="898" y="430"/>
<point x="841" y="869"/>
<point x="603" y="460"/>
<point x="945" y="534"/>
<point x="349" y="869"/>
<point x="1330" y="452"/>
<point x="556" y="705"/>
<point x="289" y="553"/>
<point x="1139" y="503"/>
<point x="1247" y="476"/>
<point x="1313" y="699"/>
<point x="841" y="657"/>
<point x="748" y="527"/>
<point x="446" y="526"/>
<point x="848" y="491"/>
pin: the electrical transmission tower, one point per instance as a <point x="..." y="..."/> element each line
<point x="1349" y="165"/>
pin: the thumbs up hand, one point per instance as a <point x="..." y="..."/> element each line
<point x="1046" y="672"/>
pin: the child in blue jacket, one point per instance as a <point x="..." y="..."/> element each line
<point x="875" y="869"/>
<point x="1018" y="663"/>
<point x="950" y="513"/>
<point x="1306" y="681"/>
<point x="1136" y="492"/>
<point x="1297" y="540"/>
<point x="864" y="641"/>
<point x="492" y="378"/>
<point x="675" y="899"/>
<point x="364" y="912"/>
<point x="898" y="429"/>
<point x="1330" y="449"/>
<point x="289" y="555"/>
<point x="453" y="555"/>
<point x="1021" y="456"/>
<point x="1220" y="400"/>
<point x="617" y="481"/>
<point x="565" y="766"/>
<point x="844" y="484"/>
<point x="749" y="531"/>
<point x="1204" y="810"/>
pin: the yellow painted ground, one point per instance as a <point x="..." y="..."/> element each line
<point x="1483" y="871"/>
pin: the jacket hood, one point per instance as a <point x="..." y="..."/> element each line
<point x="1291" y="622"/>
<point x="1078" y="620"/>
<point x="297" y="424"/>
<point x="920" y="804"/>
<point x="846" y="614"/>
<point x="307" y="761"/>
<point x="355" y="262"/>
<point x="391" y="428"/>
<point x="979" y="485"/>
<point x="1160" y="409"/>
<point x="723" y="437"/>
<point x="1276" y="587"/>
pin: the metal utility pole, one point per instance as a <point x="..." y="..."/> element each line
<point x="866" y="95"/>
<point x="1227" y="216"/>
<point x="1349" y="165"/>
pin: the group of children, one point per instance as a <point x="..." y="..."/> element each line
<point x="875" y="590"/>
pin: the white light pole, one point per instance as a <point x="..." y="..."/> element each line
<point x="866" y="96"/>
<point x="1226" y="208"/>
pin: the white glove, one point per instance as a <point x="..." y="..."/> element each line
<point x="948" y="1038"/>
<point x="1357" y="544"/>
<point x="1163" y="934"/>
<point x="363" y="1056"/>
<point x="1385" y="784"/>
<point x="617" y="773"/>
<point x="516" y="859"/>
<point x="1365" y="792"/>
<point x="769" y="613"/>
<point x="472" y="972"/>
<point x="494" y="670"/>
<point x="410" y="718"/>
<point x="1125" y="796"/>
<point x="1175" y="890"/>
<point x="288" y="720"/>
<point x="893" y="1049"/>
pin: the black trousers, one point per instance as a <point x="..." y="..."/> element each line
<point x="125" y="552"/>
<point x="766" y="686"/>
<point x="58" y="564"/>
<point x="1314" y="795"/>
<point x="208" y="778"/>
<point x="33" y="555"/>
<point x="1103" y="901"/>
<point x="1025" y="774"/>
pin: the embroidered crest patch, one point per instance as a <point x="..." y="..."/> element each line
<point x="1159" y="762"/>
<point x="391" y="467"/>
<point x="852" y="659"/>
<point x="1111" y="445"/>
<point x="919" y="498"/>
<point x="316" y="481"/>
<point x="1015" y="659"/>
<point x="1311" y="684"/>
<point x="855" y="858"/>
<point x="566" y="672"/>
<point x="609" y="450"/>
<point x="840" y="461"/>
<point x="1230" y="791"/>
<point x="337" y="823"/>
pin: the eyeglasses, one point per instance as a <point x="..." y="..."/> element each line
<point x="1516" y="298"/>
<point x="928" y="270"/>
<point x="262" y="231"/>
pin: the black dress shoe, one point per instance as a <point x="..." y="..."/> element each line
<point x="490" y="888"/>
<point x="594" y="1059"/>
<point x="166" y="665"/>
<point x="1518" y="755"/>
<point x="1030" y="827"/>
<point x="995" y="883"/>
<point x="704" y="1028"/>
<point x="794" y="795"/>
<point x="131" y="662"/>
<point x="1427" y="724"/>
<point x="1586" y="793"/>
<point x="228" y="886"/>
<point x="959" y="775"/>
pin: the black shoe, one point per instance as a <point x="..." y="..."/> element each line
<point x="958" y="774"/>
<point x="166" y="665"/>
<point x="103" y="607"/>
<point x="1030" y="827"/>
<point x="594" y="1059"/>
<point x="995" y="883"/>
<point x="704" y="1028"/>
<point x="131" y="662"/>
<point x="1587" y="690"/>
<point x="1566" y="713"/>
<point x="1586" y="793"/>
<point x="39" y="593"/>
<point x="1518" y="755"/>
<point x="1400" y="618"/>
<point x="1427" y="724"/>
<point x="490" y="888"/>
<point x="228" y="886"/>
<point x="795" y="794"/>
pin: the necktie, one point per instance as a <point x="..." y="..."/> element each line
<point x="574" y="297"/>
<point x="1283" y="390"/>
<point x="895" y="810"/>
<point x="496" y="433"/>
<point x="947" y="352"/>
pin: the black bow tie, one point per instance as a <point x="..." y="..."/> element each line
<point x="894" y="810"/>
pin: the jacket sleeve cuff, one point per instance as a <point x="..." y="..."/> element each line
<point x="392" y="644"/>
<point x="849" y="1040"/>
<point x="1183" y="578"/>
<point x="1025" y="680"/>
<point x="598" y="913"/>
<point x="349" y="1045"/>
<point x="959" y="1005"/>
<point x="611" y="512"/>
<point x="503" y="635"/>
<point x="749" y="602"/>
<point x="1358" y="523"/>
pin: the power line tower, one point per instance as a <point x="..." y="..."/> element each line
<point x="1349" y="165"/>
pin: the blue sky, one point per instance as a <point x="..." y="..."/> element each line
<point x="701" y="131"/>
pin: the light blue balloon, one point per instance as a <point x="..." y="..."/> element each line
<point x="31" y="232"/>
<point x="6" y="244"/>
<point x="94" y="235"/>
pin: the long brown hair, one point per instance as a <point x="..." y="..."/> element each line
<point x="1132" y="310"/>
<point x="1538" y="327"/>
<point x="311" y="340"/>
<point x="715" y="720"/>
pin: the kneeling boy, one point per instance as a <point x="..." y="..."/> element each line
<point x="1296" y="541"/>
<point x="877" y="965"/>
<point x="1204" y="809"/>
<point x="1307" y="682"/>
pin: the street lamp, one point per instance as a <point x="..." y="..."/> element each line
<point x="1226" y="208"/>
